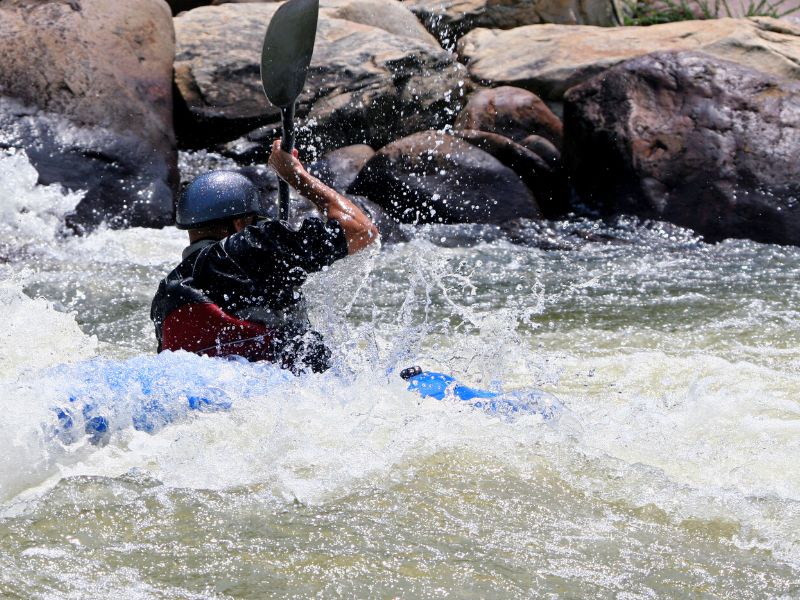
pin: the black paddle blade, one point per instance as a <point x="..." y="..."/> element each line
<point x="287" y="50"/>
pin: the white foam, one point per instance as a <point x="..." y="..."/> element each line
<point x="29" y="212"/>
<point x="34" y="334"/>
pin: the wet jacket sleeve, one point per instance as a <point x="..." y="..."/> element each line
<point x="271" y="246"/>
<point x="263" y="264"/>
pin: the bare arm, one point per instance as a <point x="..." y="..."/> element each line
<point x="359" y="230"/>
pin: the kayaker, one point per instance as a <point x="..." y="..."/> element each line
<point x="235" y="293"/>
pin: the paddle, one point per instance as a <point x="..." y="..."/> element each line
<point x="288" y="46"/>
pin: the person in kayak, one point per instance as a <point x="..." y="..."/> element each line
<point x="235" y="293"/>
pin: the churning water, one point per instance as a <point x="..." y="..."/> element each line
<point x="673" y="470"/>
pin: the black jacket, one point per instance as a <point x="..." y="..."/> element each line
<point x="252" y="273"/>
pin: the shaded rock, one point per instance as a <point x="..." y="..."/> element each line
<point x="431" y="177"/>
<point x="450" y="19"/>
<point x="549" y="59"/>
<point x="546" y="181"/>
<point x="690" y="139"/>
<point x="512" y="112"/>
<point x="87" y="92"/>
<point x="391" y="231"/>
<point x="179" y="6"/>
<point x="365" y="84"/>
<point x="339" y="168"/>
<point x="544" y="148"/>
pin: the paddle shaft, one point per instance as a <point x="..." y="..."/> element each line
<point x="287" y="145"/>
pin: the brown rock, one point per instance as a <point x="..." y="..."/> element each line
<point x="339" y="168"/>
<point x="549" y="59"/>
<point x="431" y="177"/>
<point x="512" y="112"/>
<point x="544" y="179"/>
<point x="690" y="139"/>
<point x="544" y="148"/>
<point x="87" y="88"/>
<point x="450" y="19"/>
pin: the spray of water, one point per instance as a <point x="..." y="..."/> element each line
<point x="682" y="405"/>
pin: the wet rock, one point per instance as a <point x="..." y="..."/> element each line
<point x="339" y="168"/>
<point x="450" y="19"/>
<point x="512" y="112"/>
<point x="544" y="179"/>
<point x="431" y="177"/>
<point x="366" y="84"/>
<point x="690" y="139"/>
<point x="544" y="148"/>
<point x="391" y="231"/>
<point x="86" y="90"/>
<point x="549" y="59"/>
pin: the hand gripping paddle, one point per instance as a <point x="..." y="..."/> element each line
<point x="288" y="46"/>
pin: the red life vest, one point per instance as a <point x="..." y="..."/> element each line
<point x="206" y="329"/>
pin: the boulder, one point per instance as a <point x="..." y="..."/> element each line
<point x="544" y="148"/>
<point x="391" y="231"/>
<point x="366" y="84"/>
<point x="86" y="90"/>
<point x="550" y="59"/>
<point x="450" y="19"/>
<point x="692" y="140"/>
<point x="433" y="177"/>
<point x="512" y="112"/>
<point x="339" y="168"/>
<point x="543" y="178"/>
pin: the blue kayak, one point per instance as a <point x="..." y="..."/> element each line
<point x="439" y="386"/>
<point x="149" y="395"/>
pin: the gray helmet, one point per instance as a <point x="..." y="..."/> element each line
<point x="215" y="196"/>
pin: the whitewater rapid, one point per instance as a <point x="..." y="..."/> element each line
<point x="673" y="473"/>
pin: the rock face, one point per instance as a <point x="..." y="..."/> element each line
<point x="431" y="177"/>
<point x="86" y="90"/>
<point x="512" y="112"/>
<point x="549" y="59"/>
<point x="690" y="139"/>
<point x="450" y="19"/>
<point x="365" y="85"/>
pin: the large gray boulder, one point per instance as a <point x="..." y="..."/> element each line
<point x="690" y="139"/>
<point x="450" y="19"/>
<point x="433" y="177"/>
<point x="366" y="84"/>
<point x="86" y="91"/>
<point x="549" y="59"/>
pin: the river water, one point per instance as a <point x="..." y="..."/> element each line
<point x="671" y="472"/>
